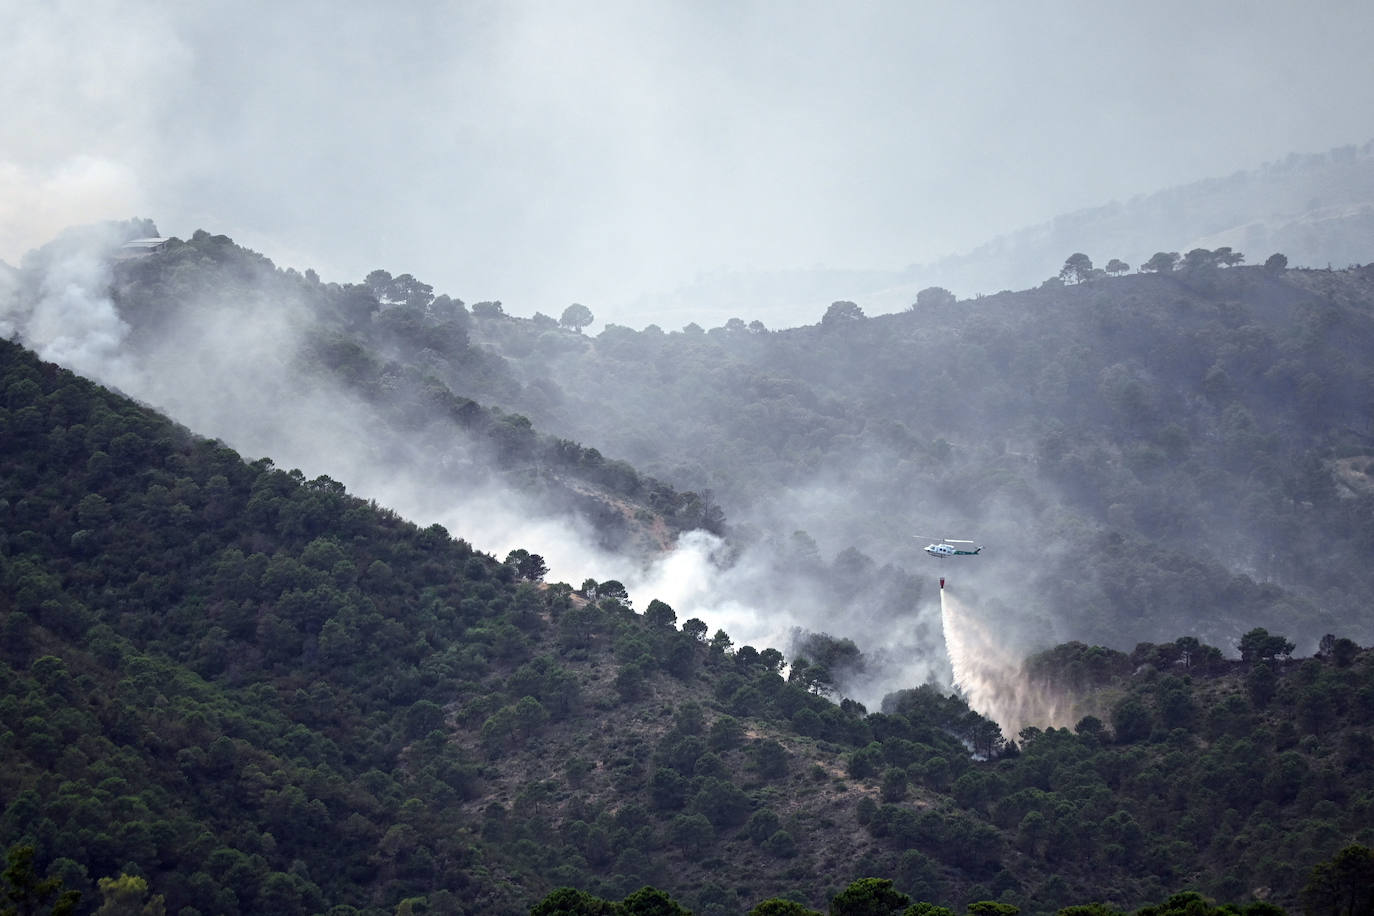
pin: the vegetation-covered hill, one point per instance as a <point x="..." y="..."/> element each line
<point x="1185" y="450"/>
<point x="1180" y="450"/>
<point x="259" y="694"/>
<point x="378" y="379"/>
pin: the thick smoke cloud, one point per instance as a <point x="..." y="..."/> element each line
<point x="545" y="153"/>
<point x="229" y="364"/>
<point x="62" y="304"/>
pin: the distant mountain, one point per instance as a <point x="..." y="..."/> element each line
<point x="1318" y="209"/>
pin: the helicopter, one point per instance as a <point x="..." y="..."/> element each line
<point x="941" y="548"/>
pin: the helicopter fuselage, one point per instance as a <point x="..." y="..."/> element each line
<point x="945" y="551"/>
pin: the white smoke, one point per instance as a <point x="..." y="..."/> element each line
<point x="228" y="365"/>
<point x="37" y="202"/>
<point x="64" y="312"/>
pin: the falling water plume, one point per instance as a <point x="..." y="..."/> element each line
<point x="992" y="676"/>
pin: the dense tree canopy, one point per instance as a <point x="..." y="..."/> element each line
<point x="229" y="688"/>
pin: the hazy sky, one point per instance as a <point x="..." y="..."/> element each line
<point x="549" y="152"/>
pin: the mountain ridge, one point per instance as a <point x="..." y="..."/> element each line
<point x="1317" y="208"/>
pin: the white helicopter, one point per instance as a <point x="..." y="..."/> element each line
<point x="942" y="548"/>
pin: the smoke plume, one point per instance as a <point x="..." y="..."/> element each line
<point x="232" y="364"/>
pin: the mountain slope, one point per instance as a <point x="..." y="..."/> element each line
<point x="1144" y="455"/>
<point x="264" y="695"/>
<point x="356" y="381"/>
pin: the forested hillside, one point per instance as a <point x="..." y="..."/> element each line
<point x="1180" y="450"/>
<point x="1177" y="450"/>
<point x="232" y="689"/>
<point x="369" y="380"/>
<point x="254" y="692"/>
<point x="258" y="694"/>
